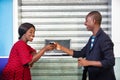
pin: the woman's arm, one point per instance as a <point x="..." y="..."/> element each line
<point x="37" y="56"/>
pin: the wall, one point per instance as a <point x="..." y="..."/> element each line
<point x="6" y="32"/>
<point x="6" y="25"/>
<point x="116" y="26"/>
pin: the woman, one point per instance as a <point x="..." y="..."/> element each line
<point x="22" y="56"/>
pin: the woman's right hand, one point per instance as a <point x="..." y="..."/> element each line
<point x="49" y="47"/>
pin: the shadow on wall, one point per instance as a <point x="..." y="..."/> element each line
<point x="3" y="62"/>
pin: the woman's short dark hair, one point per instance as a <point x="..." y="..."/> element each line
<point x="23" y="28"/>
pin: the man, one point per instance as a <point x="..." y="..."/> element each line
<point x="97" y="55"/>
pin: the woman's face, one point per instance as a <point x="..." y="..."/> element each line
<point x="29" y="35"/>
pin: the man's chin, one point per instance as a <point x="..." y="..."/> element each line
<point x="89" y="29"/>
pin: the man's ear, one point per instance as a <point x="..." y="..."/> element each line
<point x="95" y="22"/>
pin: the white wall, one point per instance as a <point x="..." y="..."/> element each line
<point x="116" y="26"/>
<point x="15" y="21"/>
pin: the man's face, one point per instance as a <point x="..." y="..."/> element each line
<point x="89" y="23"/>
